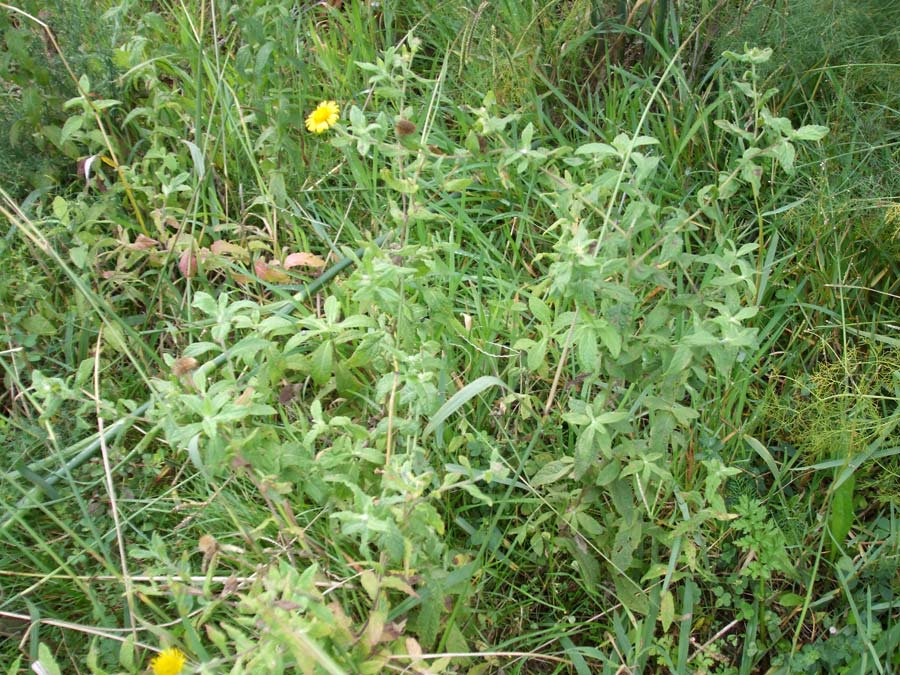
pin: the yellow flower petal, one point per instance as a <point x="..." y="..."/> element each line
<point x="168" y="662"/>
<point x="323" y="117"/>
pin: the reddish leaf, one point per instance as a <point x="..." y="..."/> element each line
<point x="142" y="243"/>
<point x="303" y="260"/>
<point x="188" y="261"/>
<point x="269" y="273"/>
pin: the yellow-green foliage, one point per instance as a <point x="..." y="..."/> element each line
<point x="836" y="411"/>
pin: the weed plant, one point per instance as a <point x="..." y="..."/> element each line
<point x="565" y="349"/>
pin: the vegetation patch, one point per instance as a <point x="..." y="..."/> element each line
<point x="365" y="337"/>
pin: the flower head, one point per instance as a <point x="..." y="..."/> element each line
<point x="168" y="662"/>
<point x="323" y="117"/>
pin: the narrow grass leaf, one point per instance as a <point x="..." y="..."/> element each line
<point x="581" y="666"/>
<point x="462" y="397"/>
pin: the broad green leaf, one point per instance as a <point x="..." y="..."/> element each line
<point x="552" y="472"/>
<point x="46" y="664"/>
<point x="732" y="128"/>
<point x="608" y="473"/>
<point x="790" y="600"/>
<point x="612" y="417"/>
<point x="540" y="310"/>
<point x="764" y="455"/>
<point x="39" y="325"/>
<point x="321" y="362"/>
<point x="72" y="125"/>
<point x="586" y="348"/>
<point x="810" y="132"/>
<point x="610" y="338"/>
<point x="785" y="153"/>
<point x="598" y="150"/>
<point x="840" y="517"/>
<point x="752" y="173"/>
<point x="79" y="256"/>
<point x="536" y="355"/>
<point x="457" y="184"/>
<point x="126" y="653"/>
<point x="586" y="452"/>
<point x="666" y="610"/>
<point x="462" y="397"/>
<point x="197" y="158"/>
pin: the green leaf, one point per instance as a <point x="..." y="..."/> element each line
<point x="598" y="150"/>
<point x="262" y="58"/>
<point x="581" y="666"/>
<point x="791" y="600"/>
<point x="586" y="452"/>
<point x="79" y="256"/>
<point x="527" y="135"/>
<point x="608" y="473"/>
<point x="610" y="338"/>
<point x="321" y="362"/>
<point x="540" y="310"/>
<point x="197" y="158"/>
<point x="750" y="55"/>
<point x="61" y="209"/>
<point x="462" y="397"/>
<point x="72" y="125"/>
<point x="429" y="617"/>
<point x="810" y="132"/>
<point x="728" y="186"/>
<point x="732" y="128"/>
<point x="536" y="355"/>
<point x="752" y="173"/>
<point x="840" y="517"/>
<point x="666" y="610"/>
<point x="611" y="417"/>
<point x="785" y="153"/>
<point x="46" y="661"/>
<point x="38" y="325"/>
<point x="126" y="654"/>
<point x="764" y="454"/>
<point x="457" y="184"/>
<point x="552" y="472"/>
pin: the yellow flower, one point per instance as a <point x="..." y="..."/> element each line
<point x="323" y="117"/>
<point x="169" y="662"/>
